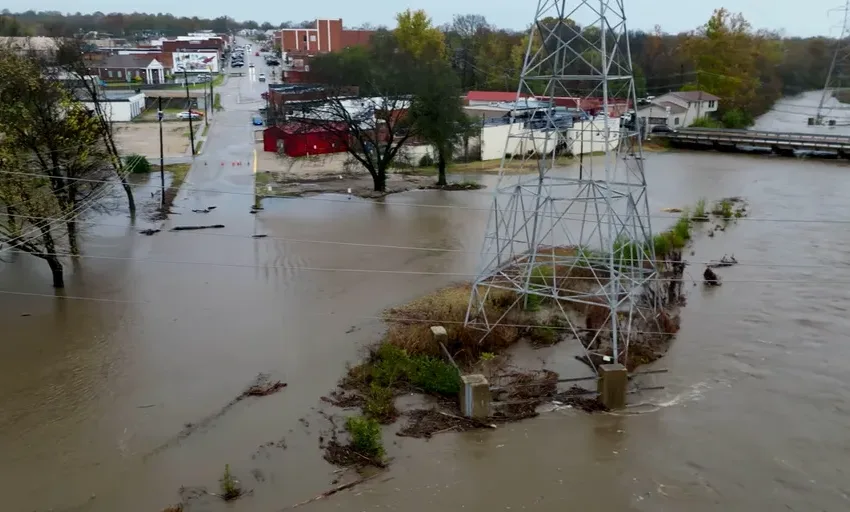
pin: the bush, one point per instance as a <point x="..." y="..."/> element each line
<point x="230" y="489"/>
<point x="434" y="376"/>
<point x="392" y="365"/>
<point x="137" y="164"/>
<point x="365" y="436"/>
<point x="426" y="160"/>
<point x="380" y="404"/>
<point x="700" y="211"/>
<point x="723" y="209"/>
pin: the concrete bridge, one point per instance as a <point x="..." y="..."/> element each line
<point x="781" y="143"/>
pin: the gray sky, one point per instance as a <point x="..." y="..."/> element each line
<point x="794" y="18"/>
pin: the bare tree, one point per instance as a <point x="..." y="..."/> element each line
<point x="374" y="124"/>
<point x="69" y="59"/>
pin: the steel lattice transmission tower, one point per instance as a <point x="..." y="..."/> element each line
<point x="578" y="237"/>
<point x="838" y="76"/>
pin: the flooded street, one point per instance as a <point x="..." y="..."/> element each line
<point x="162" y="331"/>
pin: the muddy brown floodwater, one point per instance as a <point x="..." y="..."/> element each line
<point x="753" y="414"/>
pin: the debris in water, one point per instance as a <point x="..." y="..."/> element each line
<point x="723" y="262"/>
<point x="190" y="228"/>
<point x="259" y="236"/>
<point x="581" y="398"/>
<point x="710" y="277"/>
<point x="671" y="210"/>
<point x="149" y="232"/>
<point x="424" y="423"/>
<point x="261" y="386"/>
<point x="333" y="491"/>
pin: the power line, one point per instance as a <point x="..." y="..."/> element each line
<point x="386" y="318"/>
<point x="424" y="249"/>
<point x="395" y="272"/>
<point x="437" y="206"/>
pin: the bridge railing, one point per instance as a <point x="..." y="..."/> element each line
<point x="753" y="134"/>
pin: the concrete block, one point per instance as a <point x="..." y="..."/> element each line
<point x="475" y="396"/>
<point x="612" y="384"/>
<point x="438" y="332"/>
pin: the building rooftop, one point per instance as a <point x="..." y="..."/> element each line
<point x="695" y="96"/>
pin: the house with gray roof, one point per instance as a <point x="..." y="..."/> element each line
<point x="678" y="109"/>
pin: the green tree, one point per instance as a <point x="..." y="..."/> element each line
<point x="45" y="126"/>
<point x="438" y="114"/>
<point x="416" y="36"/>
<point x="733" y="62"/>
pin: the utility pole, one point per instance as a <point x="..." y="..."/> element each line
<point x="699" y="97"/>
<point x="189" y="102"/>
<point x="212" y="95"/>
<point x="161" y="156"/>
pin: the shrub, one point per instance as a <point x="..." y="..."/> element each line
<point x="724" y="209"/>
<point x="365" y="436"/>
<point x="434" y="376"/>
<point x="137" y="164"/>
<point x="426" y="160"/>
<point x="380" y="404"/>
<point x="230" y="489"/>
<point x="682" y="228"/>
<point x="700" y="213"/>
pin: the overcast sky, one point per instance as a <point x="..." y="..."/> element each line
<point x="808" y="18"/>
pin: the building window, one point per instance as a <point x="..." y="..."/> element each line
<point x="305" y="38"/>
<point x="109" y="73"/>
<point x="710" y="104"/>
<point x="676" y="121"/>
<point x="118" y="74"/>
<point x="312" y="38"/>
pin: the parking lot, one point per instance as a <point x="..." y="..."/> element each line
<point x="143" y="138"/>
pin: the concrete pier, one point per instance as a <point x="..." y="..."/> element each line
<point x="475" y="396"/>
<point x="612" y="384"/>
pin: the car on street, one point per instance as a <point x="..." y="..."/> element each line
<point x="251" y="65"/>
<point x="261" y="77"/>
<point x="237" y="65"/>
<point x="662" y="128"/>
<point x="257" y="120"/>
<point x="186" y="114"/>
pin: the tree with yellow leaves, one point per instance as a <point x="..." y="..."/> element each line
<point x="417" y="36"/>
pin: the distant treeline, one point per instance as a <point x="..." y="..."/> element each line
<point x="749" y="69"/>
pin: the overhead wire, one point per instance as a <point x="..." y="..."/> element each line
<point x="425" y="249"/>
<point x="384" y="318"/>
<point x="671" y="216"/>
<point x="401" y="272"/>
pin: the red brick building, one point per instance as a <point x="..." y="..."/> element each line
<point x="327" y="36"/>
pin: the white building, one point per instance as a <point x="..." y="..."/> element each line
<point x="583" y="137"/>
<point x="678" y="109"/>
<point x="120" y="107"/>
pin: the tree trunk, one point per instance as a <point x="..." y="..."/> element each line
<point x="379" y="179"/>
<point x="131" y="201"/>
<point x="74" y="247"/>
<point x="441" y="168"/>
<point x="56" y="271"/>
<point x="49" y="255"/>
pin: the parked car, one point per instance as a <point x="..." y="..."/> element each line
<point x="237" y="65"/>
<point x="662" y="128"/>
<point x="257" y="121"/>
<point x="186" y="114"/>
<point x="261" y="77"/>
<point x="251" y="65"/>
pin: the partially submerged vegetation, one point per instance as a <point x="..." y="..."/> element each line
<point x="409" y="359"/>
